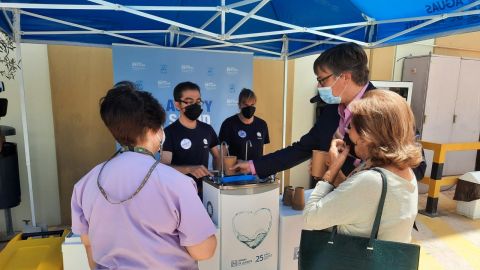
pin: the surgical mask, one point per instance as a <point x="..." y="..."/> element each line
<point x="326" y="94"/>
<point x="161" y="140"/>
<point x="248" y="111"/>
<point x="193" y="111"/>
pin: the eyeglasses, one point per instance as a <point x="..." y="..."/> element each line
<point x="191" y="101"/>
<point x="321" y="81"/>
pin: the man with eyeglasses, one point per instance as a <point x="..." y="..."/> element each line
<point x="342" y="76"/>
<point x="189" y="141"/>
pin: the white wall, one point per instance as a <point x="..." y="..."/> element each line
<point x="303" y="118"/>
<point x="41" y="138"/>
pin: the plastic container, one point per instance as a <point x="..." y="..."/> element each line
<point x="34" y="251"/>
<point x="470" y="209"/>
<point x="74" y="254"/>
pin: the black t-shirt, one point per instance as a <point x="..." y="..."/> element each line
<point x="236" y="134"/>
<point x="190" y="146"/>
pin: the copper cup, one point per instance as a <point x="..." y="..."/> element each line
<point x="229" y="162"/>
<point x="298" y="202"/>
<point x="285" y="191"/>
<point x="319" y="163"/>
<point x="288" y="196"/>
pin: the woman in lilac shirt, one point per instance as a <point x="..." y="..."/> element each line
<point x="131" y="211"/>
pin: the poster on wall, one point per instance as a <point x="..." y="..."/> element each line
<point x="220" y="76"/>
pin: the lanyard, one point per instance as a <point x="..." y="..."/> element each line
<point x="136" y="149"/>
<point x="140" y="150"/>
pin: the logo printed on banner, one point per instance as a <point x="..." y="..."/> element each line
<point x="187" y="68"/>
<point x="210" y="86"/>
<point x="232" y="70"/>
<point x="163" y="69"/>
<point x="436" y="6"/>
<point x="231" y="88"/>
<point x="242" y="134"/>
<point x="231" y="102"/>
<point x="164" y="84"/>
<point x="186" y="144"/>
<point x="210" y="71"/>
<point x="139" y="85"/>
<point x="138" y="66"/>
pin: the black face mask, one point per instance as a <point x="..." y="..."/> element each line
<point x="349" y="142"/>
<point x="248" y="111"/>
<point x="193" y="111"/>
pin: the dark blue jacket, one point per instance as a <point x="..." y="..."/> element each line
<point x="318" y="138"/>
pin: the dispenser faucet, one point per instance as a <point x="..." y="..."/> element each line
<point x="247" y="144"/>
<point x="222" y="171"/>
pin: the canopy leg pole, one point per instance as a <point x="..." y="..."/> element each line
<point x="222" y="18"/>
<point x="18" y="51"/>
<point x="285" y="93"/>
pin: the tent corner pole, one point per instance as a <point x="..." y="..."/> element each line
<point x="222" y="18"/>
<point x="285" y="94"/>
<point x="18" y="51"/>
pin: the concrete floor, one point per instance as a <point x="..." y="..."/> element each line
<point x="450" y="241"/>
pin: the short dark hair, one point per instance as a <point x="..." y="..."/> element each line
<point x="182" y="87"/>
<point x="246" y="94"/>
<point x="129" y="114"/>
<point x="127" y="84"/>
<point x="345" y="57"/>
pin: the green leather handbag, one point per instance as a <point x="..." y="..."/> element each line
<point x="332" y="251"/>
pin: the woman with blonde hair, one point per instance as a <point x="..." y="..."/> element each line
<point x="382" y="134"/>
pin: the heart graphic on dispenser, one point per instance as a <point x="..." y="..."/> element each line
<point x="252" y="227"/>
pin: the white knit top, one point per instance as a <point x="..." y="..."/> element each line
<point x="353" y="205"/>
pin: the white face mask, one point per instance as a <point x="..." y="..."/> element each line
<point x="326" y="94"/>
<point x="161" y="140"/>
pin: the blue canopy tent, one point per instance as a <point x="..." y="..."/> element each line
<point x="259" y="26"/>
<point x="279" y="29"/>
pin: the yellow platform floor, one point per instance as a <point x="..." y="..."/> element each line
<point x="450" y="241"/>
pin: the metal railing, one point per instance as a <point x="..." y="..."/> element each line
<point x="436" y="180"/>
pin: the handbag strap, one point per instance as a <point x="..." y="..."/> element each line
<point x="378" y="216"/>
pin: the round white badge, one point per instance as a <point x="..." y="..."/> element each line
<point x="186" y="144"/>
<point x="242" y="134"/>
<point x="205" y="141"/>
<point x="259" y="134"/>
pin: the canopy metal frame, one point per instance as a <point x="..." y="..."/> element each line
<point x="224" y="37"/>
